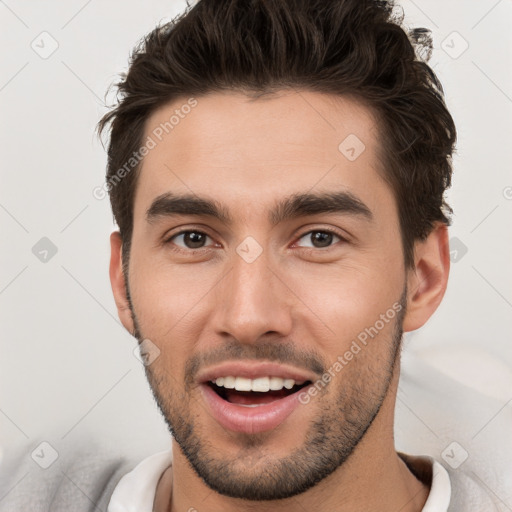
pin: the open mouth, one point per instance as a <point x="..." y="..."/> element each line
<point x="255" y="399"/>
<point x="251" y="398"/>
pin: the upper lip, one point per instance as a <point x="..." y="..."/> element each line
<point x="253" y="370"/>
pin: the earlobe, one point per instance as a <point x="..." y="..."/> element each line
<point x="428" y="281"/>
<point x="118" y="283"/>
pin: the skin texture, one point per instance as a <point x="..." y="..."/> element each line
<point x="296" y="303"/>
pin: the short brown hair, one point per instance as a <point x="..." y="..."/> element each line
<point x="341" y="47"/>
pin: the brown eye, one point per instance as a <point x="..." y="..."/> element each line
<point x="319" y="239"/>
<point x="190" y="239"/>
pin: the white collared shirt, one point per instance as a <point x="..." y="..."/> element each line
<point x="136" y="491"/>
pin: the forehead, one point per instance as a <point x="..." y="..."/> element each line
<point x="249" y="152"/>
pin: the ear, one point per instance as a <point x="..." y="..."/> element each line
<point x="427" y="282"/>
<point x="118" y="283"/>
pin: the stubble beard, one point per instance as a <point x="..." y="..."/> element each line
<point x="254" y="473"/>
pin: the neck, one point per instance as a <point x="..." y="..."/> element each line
<point x="374" y="478"/>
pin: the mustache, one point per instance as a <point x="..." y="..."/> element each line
<point x="274" y="351"/>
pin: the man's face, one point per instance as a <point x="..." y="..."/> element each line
<point x="292" y="286"/>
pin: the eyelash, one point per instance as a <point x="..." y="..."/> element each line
<point x="168" y="241"/>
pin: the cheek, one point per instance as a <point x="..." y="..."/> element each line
<point x="347" y="301"/>
<point x="170" y="306"/>
<point x="164" y="295"/>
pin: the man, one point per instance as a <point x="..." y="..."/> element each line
<point x="277" y="171"/>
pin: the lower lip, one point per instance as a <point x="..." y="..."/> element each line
<point x="250" y="420"/>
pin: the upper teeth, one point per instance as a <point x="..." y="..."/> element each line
<point x="259" y="384"/>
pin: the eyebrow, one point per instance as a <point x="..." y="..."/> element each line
<point x="294" y="206"/>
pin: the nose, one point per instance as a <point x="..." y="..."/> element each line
<point x="252" y="301"/>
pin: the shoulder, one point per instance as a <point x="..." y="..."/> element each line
<point x="456" y="489"/>
<point x="470" y="493"/>
<point x="82" y="480"/>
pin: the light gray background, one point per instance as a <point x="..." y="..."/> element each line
<point x="67" y="366"/>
